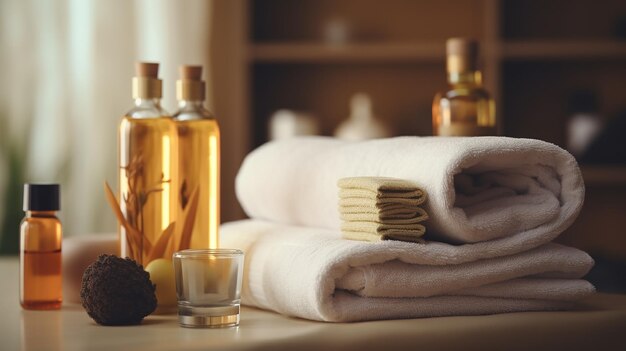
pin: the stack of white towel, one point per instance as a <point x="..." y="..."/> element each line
<point x="495" y="204"/>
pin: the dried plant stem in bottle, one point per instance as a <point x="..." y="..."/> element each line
<point x="147" y="159"/>
<point x="198" y="157"/>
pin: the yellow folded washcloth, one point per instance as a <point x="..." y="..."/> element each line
<point x="381" y="208"/>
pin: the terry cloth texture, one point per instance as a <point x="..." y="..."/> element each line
<point x="313" y="273"/>
<point x="518" y="192"/>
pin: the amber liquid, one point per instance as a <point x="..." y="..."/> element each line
<point x="40" y="263"/>
<point x="199" y="165"/>
<point x="148" y="198"/>
<point x="464" y="110"/>
<point x="41" y="285"/>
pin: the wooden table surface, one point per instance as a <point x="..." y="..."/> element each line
<point x="601" y="324"/>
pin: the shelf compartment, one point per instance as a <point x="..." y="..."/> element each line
<point x="319" y="53"/>
<point x="563" y="50"/>
<point x="401" y="94"/>
<point x="563" y="19"/>
<point x="366" y="20"/>
<point x="536" y="94"/>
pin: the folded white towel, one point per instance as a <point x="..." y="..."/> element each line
<point x="519" y="192"/>
<point x="314" y="274"/>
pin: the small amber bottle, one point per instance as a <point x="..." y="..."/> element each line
<point x="40" y="249"/>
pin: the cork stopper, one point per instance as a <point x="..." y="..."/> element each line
<point x="190" y="86"/>
<point x="188" y="72"/>
<point x="146" y="84"/>
<point x="462" y="46"/>
<point x="147" y="69"/>
<point x="462" y="55"/>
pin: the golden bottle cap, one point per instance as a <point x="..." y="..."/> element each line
<point x="462" y="55"/>
<point x="190" y="86"/>
<point x="146" y="84"/>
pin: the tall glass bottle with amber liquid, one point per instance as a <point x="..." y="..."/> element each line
<point x="147" y="155"/>
<point x="466" y="109"/>
<point x="40" y="249"/>
<point x="198" y="157"/>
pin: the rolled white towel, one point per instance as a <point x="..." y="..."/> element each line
<point x="312" y="273"/>
<point x="515" y="191"/>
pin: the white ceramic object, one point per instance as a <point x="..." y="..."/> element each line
<point x="337" y="31"/>
<point x="582" y="129"/>
<point x="362" y="124"/>
<point x="287" y="123"/>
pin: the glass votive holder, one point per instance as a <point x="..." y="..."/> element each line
<point x="208" y="287"/>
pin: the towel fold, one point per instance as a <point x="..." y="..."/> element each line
<point x="379" y="188"/>
<point x="354" y="197"/>
<point x="512" y="193"/>
<point x="312" y="273"/>
<point x="416" y="215"/>
<point x="374" y="231"/>
<point x="358" y="205"/>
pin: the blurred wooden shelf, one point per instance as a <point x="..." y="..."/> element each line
<point x="604" y="175"/>
<point x="563" y="50"/>
<point x="301" y="52"/>
<point x="353" y="52"/>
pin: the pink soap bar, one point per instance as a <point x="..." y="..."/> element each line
<point x="78" y="253"/>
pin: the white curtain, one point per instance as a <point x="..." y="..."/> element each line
<point x="66" y="67"/>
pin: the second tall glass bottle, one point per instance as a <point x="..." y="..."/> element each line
<point x="198" y="157"/>
<point x="148" y="153"/>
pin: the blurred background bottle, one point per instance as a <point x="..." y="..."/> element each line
<point x="584" y="123"/>
<point x="362" y="124"/>
<point x="466" y="109"/>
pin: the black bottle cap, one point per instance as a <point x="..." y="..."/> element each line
<point x="41" y="197"/>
